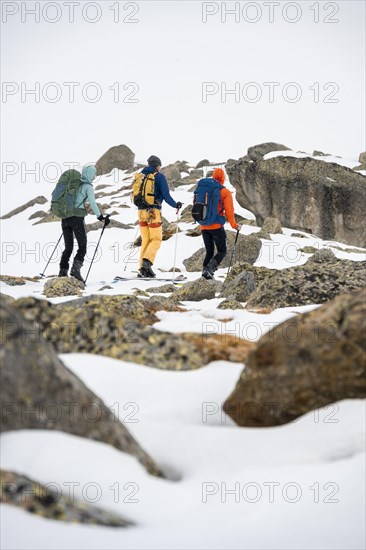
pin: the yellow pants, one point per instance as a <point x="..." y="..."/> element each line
<point x="151" y="233"/>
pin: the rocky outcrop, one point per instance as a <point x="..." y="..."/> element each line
<point x="312" y="283"/>
<point x="96" y="226"/>
<point x="257" y="152"/>
<point x="34" y="379"/>
<point x="307" y="362"/>
<point x="322" y="255"/>
<point x="120" y="157"/>
<point x="63" y="286"/>
<point x="318" y="197"/>
<point x="271" y="225"/>
<point x="37" y="200"/>
<point x="230" y="304"/>
<point x="247" y="249"/>
<point x="32" y="496"/>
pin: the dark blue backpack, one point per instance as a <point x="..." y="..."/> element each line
<point x="207" y="203"/>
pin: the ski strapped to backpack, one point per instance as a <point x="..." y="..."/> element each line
<point x="63" y="196"/>
<point x="143" y="190"/>
<point x="208" y="207"/>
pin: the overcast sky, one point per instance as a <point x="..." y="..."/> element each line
<point x="158" y="56"/>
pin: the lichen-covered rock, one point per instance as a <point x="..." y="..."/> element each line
<point x="12" y="280"/>
<point x="242" y="281"/>
<point x="115" y="326"/>
<point x="307" y="362"/>
<point x="195" y="232"/>
<point x="312" y="283"/>
<point x="34" y="379"/>
<point x="323" y="255"/>
<point x="120" y="157"/>
<point x="247" y="249"/>
<point x="63" y="286"/>
<point x="32" y="496"/>
<point x="271" y="225"/>
<point x="200" y="289"/>
<point x="169" y="287"/>
<point x="230" y="304"/>
<point x="308" y="249"/>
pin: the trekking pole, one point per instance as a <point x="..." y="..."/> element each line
<point x="54" y="250"/>
<point x="175" y="246"/>
<point x="95" y="251"/>
<point x="233" y="252"/>
<point x="131" y="247"/>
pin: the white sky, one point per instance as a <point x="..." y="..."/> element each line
<point x="169" y="53"/>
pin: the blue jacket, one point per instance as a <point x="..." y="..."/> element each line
<point x="161" y="189"/>
<point x="86" y="192"/>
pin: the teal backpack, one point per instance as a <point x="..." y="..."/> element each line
<point x="63" y="196"/>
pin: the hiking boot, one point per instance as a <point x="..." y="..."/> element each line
<point x="142" y="273"/>
<point x="146" y="267"/>
<point x="209" y="270"/>
<point x="75" y="270"/>
<point x="206" y="274"/>
<point x="63" y="272"/>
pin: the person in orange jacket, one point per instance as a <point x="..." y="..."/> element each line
<point x="214" y="234"/>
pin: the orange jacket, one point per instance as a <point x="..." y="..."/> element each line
<point x="227" y="200"/>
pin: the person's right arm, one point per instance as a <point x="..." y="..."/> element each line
<point x="160" y="179"/>
<point x="91" y="200"/>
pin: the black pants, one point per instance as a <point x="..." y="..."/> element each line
<point x="212" y="237"/>
<point x="74" y="226"/>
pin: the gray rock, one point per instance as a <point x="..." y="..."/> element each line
<point x="120" y="157"/>
<point x="202" y="164"/>
<point x="63" y="286"/>
<point x="34" y="379"/>
<point x="271" y="225"/>
<point x="320" y="154"/>
<point x="243" y="280"/>
<point x="257" y="152"/>
<point x="197" y="290"/>
<point x="307" y="362"/>
<point x="169" y="287"/>
<point x="318" y="197"/>
<point x="196" y="174"/>
<point x="323" y="255"/>
<point x="96" y="226"/>
<point x="37" y="200"/>
<point x="247" y="250"/>
<point x="172" y="173"/>
<point x="312" y="283"/>
<point x="362" y="158"/>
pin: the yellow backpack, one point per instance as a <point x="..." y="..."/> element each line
<point x="143" y="187"/>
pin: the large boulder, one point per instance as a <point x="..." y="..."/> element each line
<point x="39" y="392"/>
<point x="120" y="157"/>
<point x="316" y="282"/>
<point x="307" y="362"/>
<point x="318" y="197"/>
<point x="257" y="152"/>
<point x="247" y="249"/>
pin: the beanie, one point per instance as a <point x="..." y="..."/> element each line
<point x="154" y="161"/>
<point x="219" y="175"/>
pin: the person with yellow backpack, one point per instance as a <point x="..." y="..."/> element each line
<point x="149" y="190"/>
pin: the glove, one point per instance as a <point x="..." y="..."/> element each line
<point x="238" y="227"/>
<point x="179" y="205"/>
<point x="105" y="219"/>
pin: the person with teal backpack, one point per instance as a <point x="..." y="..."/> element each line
<point x="69" y="197"/>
